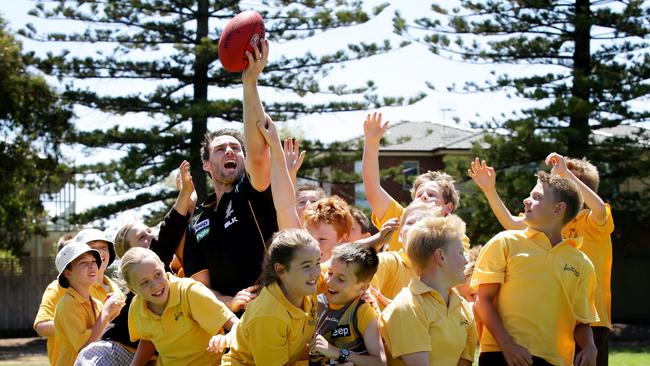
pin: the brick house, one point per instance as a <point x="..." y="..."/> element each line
<point x="415" y="146"/>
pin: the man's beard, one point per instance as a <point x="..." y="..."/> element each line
<point x="230" y="179"/>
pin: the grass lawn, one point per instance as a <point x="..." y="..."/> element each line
<point x="618" y="356"/>
<point x="629" y="356"/>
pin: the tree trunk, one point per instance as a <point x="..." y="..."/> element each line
<point x="579" y="107"/>
<point x="199" y="120"/>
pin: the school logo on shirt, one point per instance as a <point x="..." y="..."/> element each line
<point x="203" y="224"/>
<point x="313" y="315"/>
<point x="571" y="269"/>
<point x="178" y="315"/>
<point x="341" y="331"/>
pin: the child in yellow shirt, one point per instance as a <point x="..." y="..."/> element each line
<point x="594" y="224"/>
<point x="535" y="289"/>
<point x="329" y="221"/>
<point x="395" y="269"/>
<point x="428" y="322"/>
<point x="180" y="317"/>
<point x="79" y="319"/>
<point x="278" y="324"/>
<point x="347" y="329"/>
<point x="44" y="321"/>
<point x="435" y="187"/>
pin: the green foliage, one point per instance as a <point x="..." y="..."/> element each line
<point x="589" y="71"/>
<point x="32" y="124"/>
<point x="185" y="68"/>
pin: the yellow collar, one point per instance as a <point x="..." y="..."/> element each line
<point x="541" y="239"/>
<point x="76" y="295"/>
<point x="417" y="287"/>
<point x="295" y="312"/>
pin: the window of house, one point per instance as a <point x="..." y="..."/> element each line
<point x="360" y="199"/>
<point x="410" y="170"/>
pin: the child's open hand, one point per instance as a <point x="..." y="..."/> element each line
<point x="483" y="175"/>
<point x="184" y="178"/>
<point x="373" y="129"/>
<point x="293" y="156"/>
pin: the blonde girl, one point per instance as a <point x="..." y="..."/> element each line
<point x="180" y="317"/>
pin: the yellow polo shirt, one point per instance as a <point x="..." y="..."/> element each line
<point x="419" y="320"/>
<point x="393" y="273"/>
<point x="181" y="334"/>
<point x="73" y="320"/>
<point x="597" y="245"/>
<point x="544" y="292"/>
<point x="272" y="331"/>
<point x="54" y="292"/>
<point x="393" y="210"/>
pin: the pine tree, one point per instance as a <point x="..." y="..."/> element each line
<point x="182" y="35"/>
<point x="32" y="124"/>
<point x="590" y="69"/>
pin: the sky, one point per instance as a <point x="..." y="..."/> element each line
<point x="404" y="72"/>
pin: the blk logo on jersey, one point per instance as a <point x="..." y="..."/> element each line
<point x="341" y="331"/>
<point x="230" y="222"/>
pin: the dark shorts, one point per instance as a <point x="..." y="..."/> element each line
<point x="497" y="359"/>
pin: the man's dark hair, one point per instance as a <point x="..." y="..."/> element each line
<point x="209" y="136"/>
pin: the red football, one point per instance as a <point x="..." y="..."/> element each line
<point x="240" y="34"/>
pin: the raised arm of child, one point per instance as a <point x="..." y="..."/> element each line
<point x="514" y="354"/>
<point x="485" y="178"/>
<point x="294" y="158"/>
<point x="185" y="200"/>
<point x="284" y="195"/>
<point x="373" y="130"/>
<point x="591" y="198"/>
<point x="185" y="205"/>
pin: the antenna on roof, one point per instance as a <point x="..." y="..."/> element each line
<point x="444" y="119"/>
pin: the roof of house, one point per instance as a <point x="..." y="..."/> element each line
<point x="428" y="136"/>
<point x="631" y="131"/>
<point x="424" y="136"/>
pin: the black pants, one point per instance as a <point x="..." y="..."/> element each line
<point x="497" y="359"/>
<point x="601" y="339"/>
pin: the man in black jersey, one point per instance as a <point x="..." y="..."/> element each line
<point x="226" y="241"/>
